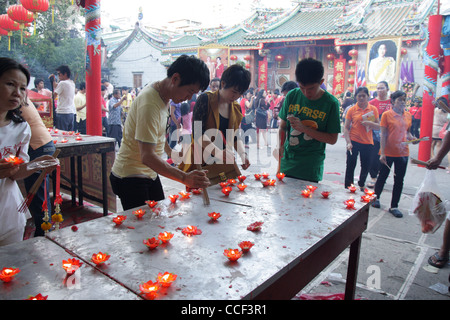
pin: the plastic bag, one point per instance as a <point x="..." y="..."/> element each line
<point x="428" y="204"/>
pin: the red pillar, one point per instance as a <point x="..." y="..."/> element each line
<point x="93" y="68"/>
<point x="431" y="73"/>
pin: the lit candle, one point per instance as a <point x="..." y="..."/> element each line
<point x="173" y="198"/>
<point x="265" y="175"/>
<point x="242" y="178"/>
<point x="366" y="198"/>
<point x="226" y="191"/>
<point x="78" y="138"/>
<point x="149" y="289"/>
<point x="257" y="176"/>
<point x="191" y="231"/>
<point x="369" y="192"/>
<point x="184" y="195"/>
<point x="232" y="254"/>
<point x="166" y="278"/>
<point x="232" y="182"/>
<point x="197" y="191"/>
<point x="223" y="184"/>
<point x="71" y="265"/>
<point x="139" y="213"/>
<point x="311" y="188"/>
<point x="350" y="203"/>
<point x="119" y="219"/>
<point x="214" y="215"/>
<point x="306" y="193"/>
<point x="14" y="160"/>
<point x="241" y="186"/>
<point x="280" y="176"/>
<point x="151" y="203"/>
<point x="152" y="243"/>
<point x="37" y="297"/>
<point x="64" y="140"/>
<point x="246" y="245"/>
<point x="352" y="188"/>
<point x="7" y="274"/>
<point x="99" y="258"/>
<point x="165" y="236"/>
<point x="325" y="194"/>
<point x="269" y="182"/>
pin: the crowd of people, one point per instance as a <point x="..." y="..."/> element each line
<point x="150" y="123"/>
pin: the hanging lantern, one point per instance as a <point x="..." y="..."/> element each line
<point x="353" y="53"/>
<point x="22" y="16"/>
<point x="8" y="25"/>
<point x="351" y="80"/>
<point x="3" y="32"/>
<point x="279" y="58"/>
<point x="233" y="58"/>
<point x="248" y="57"/>
<point x="403" y="51"/>
<point x="330" y="57"/>
<point x="352" y="63"/>
<point x="351" y="71"/>
<point x="35" y="6"/>
<point x="247" y="65"/>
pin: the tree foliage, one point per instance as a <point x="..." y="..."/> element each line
<point x="53" y="44"/>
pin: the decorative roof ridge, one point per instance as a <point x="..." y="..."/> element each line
<point x="289" y="15"/>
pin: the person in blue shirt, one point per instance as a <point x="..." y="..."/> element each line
<point x="114" y="118"/>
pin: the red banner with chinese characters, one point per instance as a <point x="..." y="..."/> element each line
<point x="262" y="74"/>
<point x="339" y="76"/>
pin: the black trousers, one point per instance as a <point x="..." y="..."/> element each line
<point x="365" y="153"/>
<point x="400" y="165"/>
<point x="133" y="192"/>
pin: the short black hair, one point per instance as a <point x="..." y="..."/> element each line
<point x="288" y="86"/>
<point x="397" y="94"/>
<point x="191" y="70"/>
<point x="385" y="84"/>
<point x="82" y="86"/>
<point x="362" y="89"/>
<point x="64" y="69"/>
<point x="236" y="76"/>
<point x="37" y="81"/>
<point x="309" y="71"/>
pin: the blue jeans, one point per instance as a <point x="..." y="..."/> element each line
<point x="65" y="121"/>
<point x="38" y="200"/>
<point x="400" y="165"/>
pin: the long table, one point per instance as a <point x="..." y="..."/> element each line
<point x="298" y="239"/>
<point x="75" y="150"/>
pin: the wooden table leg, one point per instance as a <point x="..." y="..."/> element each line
<point x="352" y="270"/>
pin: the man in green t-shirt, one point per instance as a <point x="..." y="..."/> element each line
<point x="309" y="120"/>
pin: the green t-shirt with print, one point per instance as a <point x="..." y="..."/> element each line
<point x="303" y="157"/>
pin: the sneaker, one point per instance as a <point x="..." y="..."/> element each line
<point x="396" y="213"/>
<point x="376" y="204"/>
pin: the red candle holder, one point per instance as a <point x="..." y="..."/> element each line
<point x="166" y="279"/>
<point x="197" y="191"/>
<point x="306" y="193"/>
<point x="191" y="231"/>
<point x="265" y="175"/>
<point x="14" y="160"/>
<point x="352" y="189"/>
<point x="100" y="258"/>
<point x="257" y="176"/>
<point x="311" y="188"/>
<point x="223" y="184"/>
<point x="152" y="243"/>
<point x="71" y="265"/>
<point x="280" y="176"/>
<point x="165" y="236"/>
<point x="37" y="297"/>
<point x="269" y="182"/>
<point x="151" y="203"/>
<point x="149" y="289"/>
<point x="7" y="274"/>
<point x="241" y="186"/>
<point x="78" y="138"/>
<point x="350" y="203"/>
<point x="184" y="195"/>
<point x="119" y="219"/>
<point x="64" y="141"/>
<point x="255" y="226"/>
<point x="214" y="215"/>
<point x="139" y="213"/>
<point x="325" y="194"/>
<point x="232" y="254"/>
<point x="246" y="245"/>
<point x="242" y="178"/>
<point x="226" y="191"/>
<point x="173" y="198"/>
<point x="366" y="198"/>
<point x="369" y="192"/>
<point x="231" y="182"/>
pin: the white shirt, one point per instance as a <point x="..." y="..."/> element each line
<point x="66" y="94"/>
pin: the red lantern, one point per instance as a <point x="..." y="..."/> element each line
<point x="352" y="63"/>
<point x="403" y="51"/>
<point x="353" y="53"/>
<point x="21" y="15"/>
<point x="9" y="25"/>
<point x="279" y="58"/>
<point x="35" y="6"/>
<point x="248" y="57"/>
<point x="330" y="57"/>
<point x="3" y="32"/>
<point x="233" y="58"/>
<point x="350" y="88"/>
<point x="247" y="65"/>
<point x="351" y="80"/>
<point x="351" y="71"/>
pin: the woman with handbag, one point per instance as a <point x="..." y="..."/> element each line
<point x="261" y="106"/>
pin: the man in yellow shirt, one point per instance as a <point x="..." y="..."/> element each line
<point x="80" y="105"/>
<point x="138" y="164"/>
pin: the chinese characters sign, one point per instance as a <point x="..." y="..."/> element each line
<point x="339" y="76"/>
<point x="262" y="74"/>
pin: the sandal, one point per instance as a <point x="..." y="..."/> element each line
<point x="437" y="261"/>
